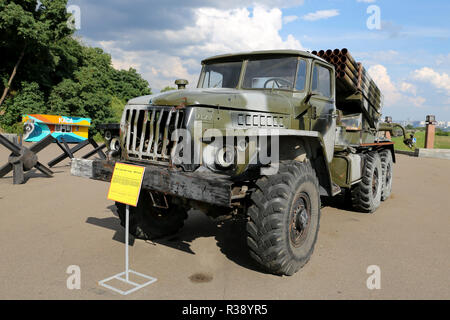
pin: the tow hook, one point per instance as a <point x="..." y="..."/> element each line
<point x="159" y="199"/>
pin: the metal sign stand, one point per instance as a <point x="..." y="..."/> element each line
<point x="120" y="276"/>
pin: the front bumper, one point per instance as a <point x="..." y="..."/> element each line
<point x="201" y="186"/>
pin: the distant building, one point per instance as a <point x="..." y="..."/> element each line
<point x="416" y="123"/>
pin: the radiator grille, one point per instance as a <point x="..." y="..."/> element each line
<point x="149" y="132"/>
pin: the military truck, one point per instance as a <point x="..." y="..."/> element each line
<point x="264" y="136"/>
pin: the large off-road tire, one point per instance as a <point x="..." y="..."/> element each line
<point x="366" y="195"/>
<point x="148" y="222"/>
<point x="283" y="218"/>
<point x="387" y="168"/>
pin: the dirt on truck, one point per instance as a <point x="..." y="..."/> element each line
<point x="264" y="135"/>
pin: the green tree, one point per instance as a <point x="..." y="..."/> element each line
<point x="86" y="96"/>
<point x="58" y="74"/>
<point x="117" y="106"/>
<point x="127" y="84"/>
<point x="27" y="32"/>
<point x="97" y="90"/>
<point x="29" y="100"/>
<point x="168" y="88"/>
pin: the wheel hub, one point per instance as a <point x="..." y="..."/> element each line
<point x="301" y="218"/>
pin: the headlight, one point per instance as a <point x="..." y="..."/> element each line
<point x="114" y="145"/>
<point x="225" y="157"/>
<point x="219" y="158"/>
<point x="108" y="135"/>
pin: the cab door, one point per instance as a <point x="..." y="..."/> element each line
<point x="323" y="108"/>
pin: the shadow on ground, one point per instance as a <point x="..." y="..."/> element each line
<point x="341" y="201"/>
<point x="112" y="223"/>
<point x="230" y="235"/>
<point x="31" y="174"/>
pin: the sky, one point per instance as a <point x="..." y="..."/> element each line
<point x="404" y="45"/>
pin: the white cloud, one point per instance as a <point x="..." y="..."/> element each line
<point x="438" y="80"/>
<point x="408" y="87"/>
<point x="380" y="75"/>
<point x="392" y="93"/>
<point x="288" y="19"/>
<point x="221" y="31"/>
<point x="416" y="101"/>
<point x="377" y="57"/>
<point x="214" y="32"/>
<point x="159" y="69"/>
<point x="321" y="14"/>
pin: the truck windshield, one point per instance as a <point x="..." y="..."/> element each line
<point x="221" y="75"/>
<point x="277" y="73"/>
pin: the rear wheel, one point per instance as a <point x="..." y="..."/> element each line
<point x="366" y="195"/>
<point x="386" y="167"/>
<point x="148" y="222"/>
<point x="284" y="218"/>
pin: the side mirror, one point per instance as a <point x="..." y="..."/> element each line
<point x="308" y="97"/>
<point x="304" y="104"/>
<point x="181" y="83"/>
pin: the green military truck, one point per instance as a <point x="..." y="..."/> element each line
<point x="265" y="135"/>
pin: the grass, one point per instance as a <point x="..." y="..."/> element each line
<point x="99" y="138"/>
<point x="440" y="142"/>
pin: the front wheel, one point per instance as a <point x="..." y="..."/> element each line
<point x="283" y="219"/>
<point x="148" y="222"/>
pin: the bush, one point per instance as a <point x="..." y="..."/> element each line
<point x="29" y="99"/>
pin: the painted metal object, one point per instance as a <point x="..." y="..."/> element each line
<point x="24" y="159"/>
<point x="71" y="129"/>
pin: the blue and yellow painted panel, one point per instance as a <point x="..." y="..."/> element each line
<point x="38" y="126"/>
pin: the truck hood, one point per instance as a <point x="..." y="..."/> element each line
<point x="251" y="100"/>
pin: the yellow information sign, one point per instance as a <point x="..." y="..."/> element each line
<point x="126" y="183"/>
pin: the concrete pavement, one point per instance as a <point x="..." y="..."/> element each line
<point x="47" y="225"/>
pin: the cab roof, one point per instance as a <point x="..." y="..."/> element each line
<point x="262" y="53"/>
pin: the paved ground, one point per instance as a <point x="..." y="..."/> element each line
<point x="48" y="224"/>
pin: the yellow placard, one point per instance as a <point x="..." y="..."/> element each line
<point x="126" y="183"/>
